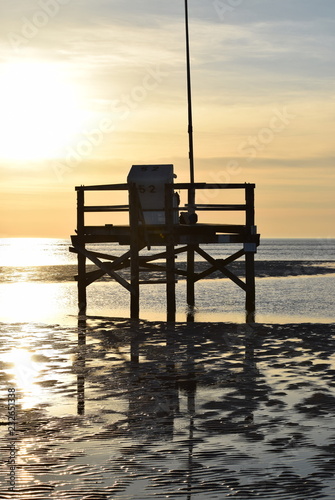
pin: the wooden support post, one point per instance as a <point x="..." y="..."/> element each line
<point x="134" y="252"/>
<point x="170" y="257"/>
<point x="250" y="301"/>
<point x="190" y="296"/>
<point x="82" y="301"/>
<point x="190" y="276"/>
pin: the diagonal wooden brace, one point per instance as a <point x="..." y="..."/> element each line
<point x="219" y="264"/>
<point x="104" y="266"/>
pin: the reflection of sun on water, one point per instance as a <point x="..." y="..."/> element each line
<point x="25" y="292"/>
<point x="25" y="372"/>
<point x="20" y="252"/>
<point x="31" y="302"/>
<point x="26" y="452"/>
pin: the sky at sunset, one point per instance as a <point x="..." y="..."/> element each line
<point x="90" y="87"/>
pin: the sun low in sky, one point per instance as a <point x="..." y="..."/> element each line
<point x="89" y="88"/>
<point x="40" y="110"/>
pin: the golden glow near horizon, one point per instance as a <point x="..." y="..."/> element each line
<point x="27" y="252"/>
<point x="88" y="89"/>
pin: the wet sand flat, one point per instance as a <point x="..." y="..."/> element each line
<point x="117" y="409"/>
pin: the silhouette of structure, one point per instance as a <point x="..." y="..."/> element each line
<point x="156" y="220"/>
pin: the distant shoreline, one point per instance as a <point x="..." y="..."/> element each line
<point x="263" y="269"/>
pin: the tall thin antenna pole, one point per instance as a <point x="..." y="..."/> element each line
<point x="189" y="95"/>
<point x="191" y="190"/>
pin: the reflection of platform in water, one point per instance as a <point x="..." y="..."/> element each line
<point x="161" y="369"/>
<point x="170" y="386"/>
<point x="176" y="234"/>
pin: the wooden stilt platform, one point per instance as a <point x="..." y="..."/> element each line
<point x="174" y="236"/>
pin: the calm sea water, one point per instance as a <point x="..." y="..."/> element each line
<point x="49" y="251"/>
<point x="29" y="291"/>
